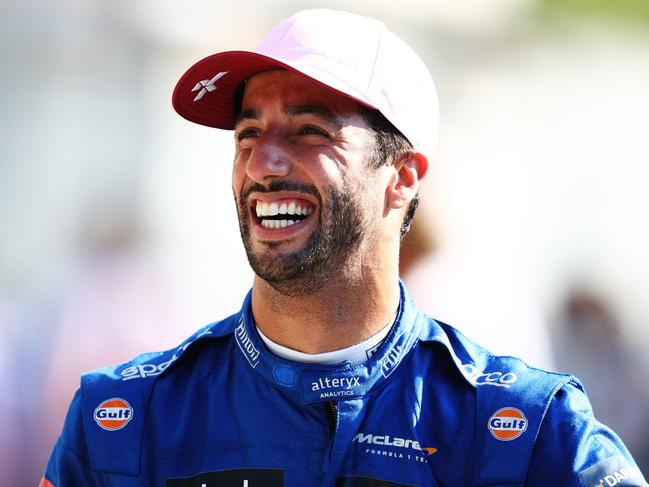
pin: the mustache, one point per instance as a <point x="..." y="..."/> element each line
<point x="280" y="185"/>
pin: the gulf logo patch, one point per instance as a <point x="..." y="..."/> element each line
<point x="113" y="414"/>
<point x="507" y="424"/>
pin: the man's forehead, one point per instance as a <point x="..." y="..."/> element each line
<point x="295" y="94"/>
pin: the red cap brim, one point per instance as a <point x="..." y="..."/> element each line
<point x="216" y="109"/>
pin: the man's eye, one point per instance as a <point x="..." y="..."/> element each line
<point x="311" y="130"/>
<point x="247" y="133"/>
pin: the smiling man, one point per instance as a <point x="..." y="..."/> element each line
<point x="320" y="214"/>
<point x="329" y="375"/>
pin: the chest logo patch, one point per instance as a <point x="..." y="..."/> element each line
<point x="507" y="424"/>
<point x="113" y="414"/>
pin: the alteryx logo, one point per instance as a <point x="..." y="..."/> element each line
<point x="245" y="344"/>
<point x="335" y="386"/>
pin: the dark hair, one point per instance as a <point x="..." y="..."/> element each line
<point x="390" y="145"/>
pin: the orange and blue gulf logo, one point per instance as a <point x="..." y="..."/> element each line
<point x="507" y="424"/>
<point x="113" y="414"/>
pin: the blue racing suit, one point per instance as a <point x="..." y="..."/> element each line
<point x="427" y="408"/>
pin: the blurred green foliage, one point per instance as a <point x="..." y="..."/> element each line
<point x="635" y="10"/>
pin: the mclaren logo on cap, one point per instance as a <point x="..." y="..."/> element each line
<point x="113" y="414"/>
<point x="207" y="85"/>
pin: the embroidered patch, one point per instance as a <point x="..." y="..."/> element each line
<point x="507" y="424"/>
<point x="612" y="472"/>
<point x="113" y="414"/>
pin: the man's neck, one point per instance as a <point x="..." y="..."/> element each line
<point x="342" y="314"/>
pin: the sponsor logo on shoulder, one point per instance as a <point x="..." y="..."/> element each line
<point x="245" y="344"/>
<point x="142" y="371"/>
<point x="393" y="447"/>
<point x="507" y="424"/>
<point x="612" y="472"/>
<point x="497" y="379"/>
<point x="113" y="414"/>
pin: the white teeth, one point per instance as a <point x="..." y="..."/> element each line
<point x="277" y="223"/>
<point x="261" y="209"/>
<point x="271" y="209"/>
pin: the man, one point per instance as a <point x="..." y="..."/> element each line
<point x="329" y="375"/>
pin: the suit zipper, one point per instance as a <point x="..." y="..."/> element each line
<point x="332" y="416"/>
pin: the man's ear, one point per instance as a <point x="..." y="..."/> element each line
<point x="409" y="170"/>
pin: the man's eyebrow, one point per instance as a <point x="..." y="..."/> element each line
<point x="250" y="113"/>
<point x="319" y="111"/>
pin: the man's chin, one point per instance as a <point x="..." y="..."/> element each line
<point x="291" y="274"/>
<point x="278" y="269"/>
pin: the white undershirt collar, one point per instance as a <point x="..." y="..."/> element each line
<point x="355" y="354"/>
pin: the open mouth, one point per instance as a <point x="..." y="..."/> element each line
<point x="282" y="213"/>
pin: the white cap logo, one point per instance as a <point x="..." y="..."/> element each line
<point x="207" y="85"/>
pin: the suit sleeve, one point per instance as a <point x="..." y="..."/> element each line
<point x="69" y="463"/>
<point x="574" y="449"/>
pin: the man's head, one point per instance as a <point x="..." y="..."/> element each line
<point x="334" y="117"/>
<point x="355" y="56"/>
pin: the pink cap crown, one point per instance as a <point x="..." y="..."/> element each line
<point x="353" y="55"/>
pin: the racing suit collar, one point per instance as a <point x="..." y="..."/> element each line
<point x="317" y="383"/>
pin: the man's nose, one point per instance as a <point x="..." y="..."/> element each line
<point x="269" y="158"/>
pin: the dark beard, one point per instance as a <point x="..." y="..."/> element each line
<point x="311" y="268"/>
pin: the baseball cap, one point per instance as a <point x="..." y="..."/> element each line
<point x="355" y="56"/>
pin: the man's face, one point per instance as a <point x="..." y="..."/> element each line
<point x="307" y="199"/>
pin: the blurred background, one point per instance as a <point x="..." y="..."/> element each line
<point x="119" y="232"/>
